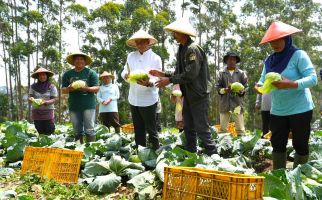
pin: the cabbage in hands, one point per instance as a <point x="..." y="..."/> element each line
<point x="269" y="78"/>
<point x="78" y="84"/>
<point x="137" y="76"/>
<point x="237" y="87"/>
<point x="177" y="93"/>
<point x="37" y="102"/>
<point x="236" y="111"/>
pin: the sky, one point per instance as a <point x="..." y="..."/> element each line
<point x="69" y="34"/>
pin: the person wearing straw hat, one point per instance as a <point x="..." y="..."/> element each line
<point x="292" y="104"/>
<point x="192" y="74"/>
<point x="45" y="93"/>
<point x="143" y="95"/>
<point x="229" y="100"/>
<point x="81" y="100"/>
<point x="107" y="97"/>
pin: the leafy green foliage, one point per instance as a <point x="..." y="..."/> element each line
<point x="105" y="184"/>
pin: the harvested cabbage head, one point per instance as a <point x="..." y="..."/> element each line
<point x="237" y="87"/>
<point x="269" y="78"/>
<point x="78" y="84"/>
<point x="177" y="93"/>
<point x="36" y="103"/>
<point x="237" y="110"/>
<point x="137" y="76"/>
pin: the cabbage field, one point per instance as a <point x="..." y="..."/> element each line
<point x="113" y="169"/>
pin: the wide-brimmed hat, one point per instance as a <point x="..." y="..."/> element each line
<point x="231" y="54"/>
<point x="105" y="73"/>
<point x="42" y="70"/>
<point x="278" y="30"/>
<point x="70" y="58"/>
<point x="139" y="35"/>
<point x="181" y="26"/>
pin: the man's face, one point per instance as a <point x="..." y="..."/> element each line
<point x="231" y="61"/>
<point x="142" y="44"/>
<point x="79" y="61"/>
<point x="178" y="36"/>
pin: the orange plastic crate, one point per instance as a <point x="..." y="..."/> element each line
<point x="128" y="128"/>
<point x="194" y="183"/>
<point x="231" y="128"/>
<point x="62" y="165"/>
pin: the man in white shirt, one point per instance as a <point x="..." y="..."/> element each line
<point x="143" y="95"/>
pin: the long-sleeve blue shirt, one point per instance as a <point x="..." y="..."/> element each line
<point x="293" y="101"/>
<point x="105" y="93"/>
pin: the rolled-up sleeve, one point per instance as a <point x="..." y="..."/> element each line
<point x="307" y="70"/>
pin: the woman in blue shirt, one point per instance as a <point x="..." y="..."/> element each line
<point x="292" y="103"/>
<point x="107" y="97"/>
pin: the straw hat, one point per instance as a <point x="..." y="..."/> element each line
<point x="141" y="34"/>
<point x="70" y="58"/>
<point x="181" y="26"/>
<point x="278" y="30"/>
<point x="42" y="70"/>
<point x="105" y="73"/>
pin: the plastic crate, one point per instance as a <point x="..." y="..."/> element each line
<point x="36" y="160"/>
<point x="62" y="165"/>
<point x="231" y="128"/>
<point x="185" y="183"/>
<point x="269" y="135"/>
<point x="65" y="165"/>
<point x="128" y="128"/>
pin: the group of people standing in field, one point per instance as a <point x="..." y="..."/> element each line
<point x="288" y="108"/>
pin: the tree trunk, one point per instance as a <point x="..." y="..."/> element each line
<point x="28" y="65"/>
<point x="6" y="72"/>
<point x="60" y="61"/>
<point x="18" y="68"/>
<point x="37" y="35"/>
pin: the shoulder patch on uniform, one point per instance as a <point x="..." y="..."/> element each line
<point x="192" y="57"/>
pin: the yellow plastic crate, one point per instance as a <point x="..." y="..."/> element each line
<point x="186" y="183"/>
<point x="231" y="128"/>
<point x="62" y="165"/>
<point x="65" y="165"/>
<point x="128" y="128"/>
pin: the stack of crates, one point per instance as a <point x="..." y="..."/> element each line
<point x="62" y="165"/>
<point x="189" y="183"/>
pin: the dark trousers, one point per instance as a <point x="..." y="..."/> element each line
<point x="300" y="126"/>
<point x="144" y="121"/>
<point x="45" y="127"/>
<point x="158" y="121"/>
<point x="196" y="124"/>
<point x="110" y="119"/>
<point x="266" y="117"/>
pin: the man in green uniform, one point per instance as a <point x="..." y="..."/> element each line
<point x="81" y="101"/>
<point x="192" y="75"/>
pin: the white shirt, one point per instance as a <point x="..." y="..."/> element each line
<point x="140" y="95"/>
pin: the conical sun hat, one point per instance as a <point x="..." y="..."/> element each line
<point x="70" y="58"/>
<point x="181" y="26"/>
<point x="42" y="70"/>
<point x="278" y="30"/>
<point x="141" y="34"/>
<point x="105" y="73"/>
